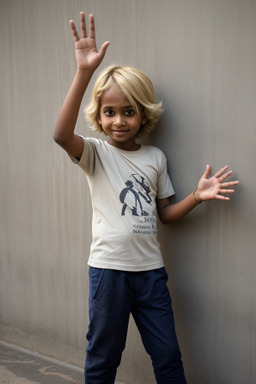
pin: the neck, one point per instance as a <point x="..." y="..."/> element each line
<point x="127" y="146"/>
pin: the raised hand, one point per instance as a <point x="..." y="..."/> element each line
<point x="87" y="56"/>
<point x="210" y="188"/>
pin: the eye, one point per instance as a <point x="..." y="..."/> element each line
<point x="130" y="112"/>
<point x="109" y="112"/>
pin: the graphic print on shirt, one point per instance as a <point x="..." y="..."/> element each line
<point x="135" y="195"/>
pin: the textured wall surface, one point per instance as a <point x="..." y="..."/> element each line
<point x="201" y="57"/>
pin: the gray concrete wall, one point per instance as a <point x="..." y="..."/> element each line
<point x="201" y="56"/>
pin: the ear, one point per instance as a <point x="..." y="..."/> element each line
<point x="144" y="120"/>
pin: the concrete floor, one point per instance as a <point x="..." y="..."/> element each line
<point x="20" y="366"/>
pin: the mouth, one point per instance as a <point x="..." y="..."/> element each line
<point x="120" y="131"/>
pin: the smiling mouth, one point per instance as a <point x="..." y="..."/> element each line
<point x="120" y="130"/>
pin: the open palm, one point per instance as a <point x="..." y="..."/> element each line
<point x="210" y="188"/>
<point x="87" y="55"/>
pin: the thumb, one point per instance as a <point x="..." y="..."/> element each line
<point x="207" y="171"/>
<point x="103" y="49"/>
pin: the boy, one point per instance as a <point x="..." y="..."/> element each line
<point x="128" y="184"/>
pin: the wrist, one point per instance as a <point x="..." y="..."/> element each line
<point x="196" y="197"/>
<point x="82" y="79"/>
<point x="84" y="71"/>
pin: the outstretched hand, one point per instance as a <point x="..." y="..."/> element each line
<point x="87" y="56"/>
<point x="210" y="188"/>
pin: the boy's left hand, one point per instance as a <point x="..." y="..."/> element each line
<point x="210" y="188"/>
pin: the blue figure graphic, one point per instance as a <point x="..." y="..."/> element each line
<point x="143" y="187"/>
<point x="130" y="196"/>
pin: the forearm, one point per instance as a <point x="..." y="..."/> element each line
<point x="209" y="188"/>
<point x="172" y="212"/>
<point x="66" y="122"/>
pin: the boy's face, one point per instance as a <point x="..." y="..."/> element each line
<point x="119" y="119"/>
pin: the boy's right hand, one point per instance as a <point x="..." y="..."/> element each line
<point x="87" y="56"/>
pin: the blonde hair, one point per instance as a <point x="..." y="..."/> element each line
<point x="138" y="89"/>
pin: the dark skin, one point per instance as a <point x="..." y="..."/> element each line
<point x="88" y="59"/>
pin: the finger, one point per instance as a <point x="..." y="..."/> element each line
<point x="91" y="27"/>
<point x="74" y="31"/>
<point x="221" y="171"/>
<point x="220" y="197"/>
<point x="229" y="184"/>
<point x="225" y="176"/>
<point x="225" y="191"/>
<point x="207" y="171"/>
<point x="82" y="25"/>
<point x="103" y="49"/>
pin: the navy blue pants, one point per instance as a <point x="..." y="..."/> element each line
<point x="113" y="295"/>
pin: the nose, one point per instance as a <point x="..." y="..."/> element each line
<point x="119" y="120"/>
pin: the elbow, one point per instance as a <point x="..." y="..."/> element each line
<point x="167" y="217"/>
<point x="59" y="138"/>
<point x="163" y="218"/>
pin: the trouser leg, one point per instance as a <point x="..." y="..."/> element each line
<point x="153" y="315"/>
<point x="109" y="310"/>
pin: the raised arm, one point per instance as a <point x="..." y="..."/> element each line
<point x="209" y="188"/>
<point x="88" y="59"/>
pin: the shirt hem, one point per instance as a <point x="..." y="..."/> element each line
<point x="128" y="268"/>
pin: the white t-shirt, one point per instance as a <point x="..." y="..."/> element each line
<point x="124" y="186"/>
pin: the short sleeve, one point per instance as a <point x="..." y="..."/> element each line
<point x="87" y="160"/>
<point x="164" y="185"/>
